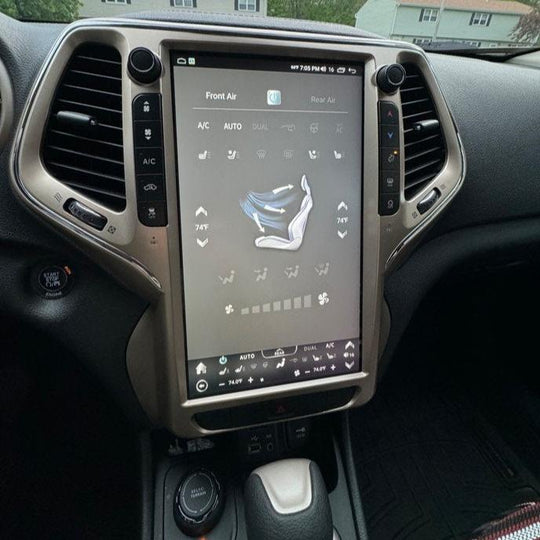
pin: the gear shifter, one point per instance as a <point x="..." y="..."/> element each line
<point x="288" y="499"/>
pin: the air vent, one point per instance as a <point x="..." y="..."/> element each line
<point x="83" y="145"/>
<point x="425" y="150"/>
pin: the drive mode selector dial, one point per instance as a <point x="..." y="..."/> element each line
<point x="198" y="502"/>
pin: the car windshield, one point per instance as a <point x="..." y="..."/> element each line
<point x="443" y="25"/>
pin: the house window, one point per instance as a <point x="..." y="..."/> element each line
<point x="429" y="15"/>
<point x="246" y="5"/>
<point x="421" y="41"/>
<point x="480" y="19"/>
<point x="117" y="1"/>
<point x="184" y="3"/>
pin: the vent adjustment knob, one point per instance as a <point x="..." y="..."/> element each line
<point x="144" y="66"/>
<point x="390" y="78"/>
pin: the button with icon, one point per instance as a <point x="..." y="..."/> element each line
<point x="389" y="135"/>
<point x="150" y="187"/>
<point x="273" y="97"/>
<point x="388" y="113"/>
<point x="388" y="204"/>
<point x="153" y="214"/>
<point x="147" y="133"/>
<point x="146" y="107"/>
<point x="390" y="159"/>
<point x="389" y="182"/>
<point x="201" y="386"/>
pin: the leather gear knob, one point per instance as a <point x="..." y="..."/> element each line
<point x="288" y="499"/>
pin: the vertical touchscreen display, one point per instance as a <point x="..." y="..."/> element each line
<point x="270" y="173"/>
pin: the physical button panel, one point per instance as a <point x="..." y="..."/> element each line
<point x="389" y="159"/>
<point x="149" y="160"/>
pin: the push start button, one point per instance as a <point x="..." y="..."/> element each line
<point x="53" y="281"/>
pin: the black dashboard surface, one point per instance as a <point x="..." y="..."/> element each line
<point x="496" y="111"/>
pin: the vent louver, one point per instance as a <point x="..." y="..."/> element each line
<point x="83" y="145"/>
<point x="425" y="150"/>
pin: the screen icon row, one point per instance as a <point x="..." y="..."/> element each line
<point x="314" y="127"/>
<point x="233" y="154"/>
<point x="261" y="274"/>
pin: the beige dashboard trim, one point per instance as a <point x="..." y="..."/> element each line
<point x="148" y="259"/>
<point x="6" y="108"/>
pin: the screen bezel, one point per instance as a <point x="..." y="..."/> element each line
<point x="268" y="60"/>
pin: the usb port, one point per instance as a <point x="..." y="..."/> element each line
<point x="254" y="448"/>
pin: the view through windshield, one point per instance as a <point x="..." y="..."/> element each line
<point x="432" y="24"/>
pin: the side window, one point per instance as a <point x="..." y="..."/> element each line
<point x="184" y="3"/>
<point x="246" y="5"/>
<point x="480" y="19"/>
<point x="429" y="15"/>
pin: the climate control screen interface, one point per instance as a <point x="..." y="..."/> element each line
<point x="270" y="173"/>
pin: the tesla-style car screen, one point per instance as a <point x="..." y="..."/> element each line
<point x="269" y="169"/>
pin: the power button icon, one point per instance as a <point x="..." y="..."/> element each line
<point x="201" y="386"/>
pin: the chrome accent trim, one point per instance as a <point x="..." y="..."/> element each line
<point x="24" y="193"/>
<point x="406" y="242"/>
<point x="440" y="206"/>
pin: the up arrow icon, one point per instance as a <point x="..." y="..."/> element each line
<point x="200" y="211"/>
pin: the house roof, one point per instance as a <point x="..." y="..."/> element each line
<point x="496" y="6"/>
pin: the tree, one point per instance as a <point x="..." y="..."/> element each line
<point x="528" y="27"/>
<point x="41" y="10"/>
<point x="335" y="11"/>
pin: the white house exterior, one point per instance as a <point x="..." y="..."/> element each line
<point x="480" y="23"/>
<point x="106" y="8"/>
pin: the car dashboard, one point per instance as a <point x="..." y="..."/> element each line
<point x="254" y="186"/>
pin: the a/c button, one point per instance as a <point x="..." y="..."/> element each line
<point x="149" y="161"/>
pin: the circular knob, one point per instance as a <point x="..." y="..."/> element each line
<point x="390" y="78"/>
<point x="144" y="66"/>
<point x="198" y="503"/>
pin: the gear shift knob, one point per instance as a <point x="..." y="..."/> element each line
<point x="288" y="499"/>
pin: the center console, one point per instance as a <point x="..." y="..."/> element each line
<point x="255" y="186"/>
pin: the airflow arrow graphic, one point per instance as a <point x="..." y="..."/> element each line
<point x="282" y="188"/>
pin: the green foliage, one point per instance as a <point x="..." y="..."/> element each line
<point x="41" y="10"/>
<point x="335" y="11"/>
<point x="528" y="27"/>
